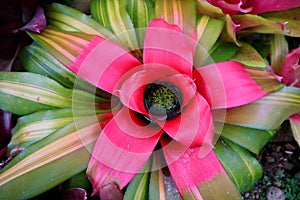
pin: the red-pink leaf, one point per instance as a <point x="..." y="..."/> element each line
<point x="198" y="177"/>
<point x="166" y="44"/>
<point x="122" y="149"/>
<point x="227" y="84"/>
<point x="193" y="127"/>
<point x="103" y="64"/>
<point x="259" y="6"/>
<point x="290" y="68"/>
<point x="231" y="7"/>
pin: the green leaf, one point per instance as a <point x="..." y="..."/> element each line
<point x="79" y="180"/>
<point x="251" y="139"/>
<point x="265" y="79"/>
<point x="69" y="19"/>
<point x="140" y="12"/>
<point x="229" y="33"/>
<point x="279" y="50"/>
<point x="247" y="55"/>
<point x="272" y="25"/>
<point x="221" y="51"/>
<point x="23" y="93"/>
<point x="66" y="47"/>
<point x="138" y="187"/>
<point x="114" y="16"/>
<point x="290" y="14"/>
<point x="208" y="31"/>
<point x="242" y="168"/>
<point x="37" y="60"/>
<point x="295" y="125"/>
<point x="205" y="8"/>
<point x="59" y="156"/>
<point x="34" y="127"/>
<point x="178" y="12"/>
<point x="267" y="113"/>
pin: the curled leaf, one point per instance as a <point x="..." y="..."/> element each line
<point x="37" y="23"/>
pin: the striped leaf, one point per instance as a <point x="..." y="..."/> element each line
<point x="140" y="12"/>
<point x="66" y="18"/>
<point x="138" y="187"/>
<point x="161" y="186"/>
<point x="69" y="19"/>
<point x="295" y="125"/>
<point x="242" y="168"/>
<point x="279" y="50"/>
<point x="37" y="60"/>
<point x="113" y="15"/>
<point x="23" y="93"/>
<point x="280" y="105"/>
<point x="208" y="31"/>
<point x="66" y="47"/>
<point x="251" y="139"/>
<point x="178" y="12"/>
<point x="32" y="128"/>
<point x="59" y="156"/>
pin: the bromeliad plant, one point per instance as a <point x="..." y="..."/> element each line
<point x="145" y="97"/>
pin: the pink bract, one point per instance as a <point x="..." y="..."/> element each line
<point x="253" y="6"/>
<point x="130" y="137"/>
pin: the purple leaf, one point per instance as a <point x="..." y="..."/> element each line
<point x="74" y="194"/>
<point x="5" y="128"/>
<point x="110" y="192"/>
<point x="37" y="23"/>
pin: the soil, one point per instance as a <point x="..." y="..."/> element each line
<point x="281" y="169"/>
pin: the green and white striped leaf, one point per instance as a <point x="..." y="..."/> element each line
<point x="140" y="12"/>
<point x="66" y="47"/>
<point x="32" y="128"/>
<point x="59" y="156"/>
<point x="208" y="31"/>
<point x="138" y="188"/>
<point x="66" y="18"/>
<point x="179" y="12"/>
<point x="242" y="168"/>
<point x="161" y="187"/>
<point x="23" y="93"/>
<point x="37" y="60"/>
<point x="251" y="139"/>
<point x="113" y="15"/>
<point x="247" y="55"/>
<point x="267" y="113"/>
<point x="279" y="50"/>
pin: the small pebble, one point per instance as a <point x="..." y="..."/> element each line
<point x="274" y="193"/>
<point x="270" y="159"/>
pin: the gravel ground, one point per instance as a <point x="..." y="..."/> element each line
<point x="281" y="169"/>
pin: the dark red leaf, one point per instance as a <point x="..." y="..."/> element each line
<point x="74" y="194"/>
<point x="5" y="128"/>
<point x="110" y="192"/>
<point x="37" y="23"/>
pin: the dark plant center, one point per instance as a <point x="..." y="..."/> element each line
<point x="163" y="99"/>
